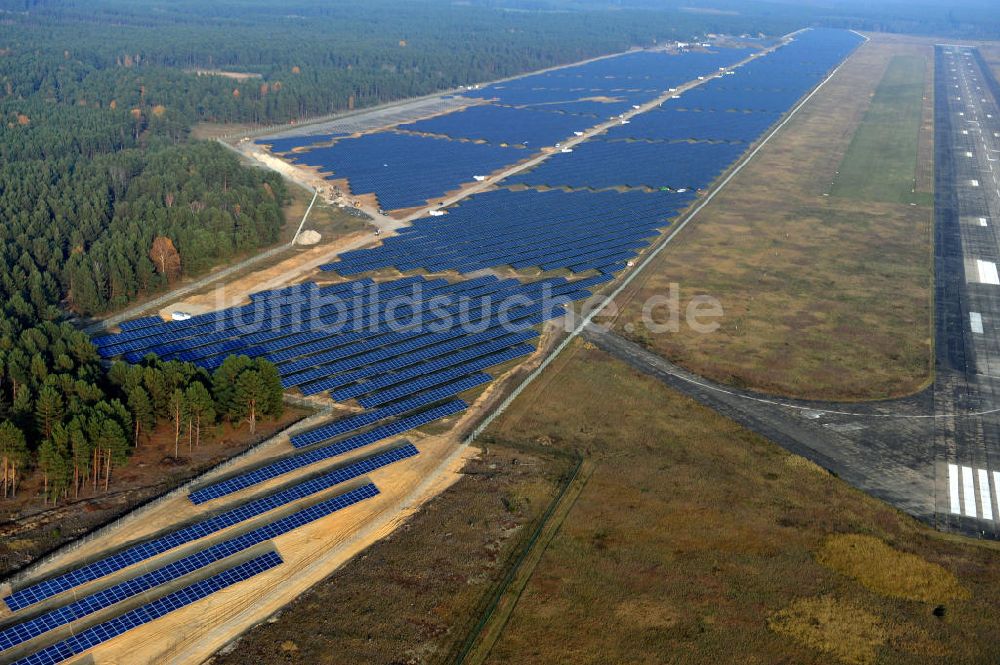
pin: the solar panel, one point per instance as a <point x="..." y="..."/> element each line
<point x="87" y="605"/>
<point x="102" y="632"/>
<point x="288" y="464"/>
<point x="137" y="553"/>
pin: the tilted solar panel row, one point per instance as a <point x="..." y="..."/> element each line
<point x="87" y="605"/>
<point x="353" y="423"/>
<point x="137" y="553"/>
<point x="112" y="628"/>
<point x="455" y="338"/>
<point x="250" y="317"/>
<point x="406" y="366"/>
<point x="300" y="460"/>
<point x="205" y="322"/>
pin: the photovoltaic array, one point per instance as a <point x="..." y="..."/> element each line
<point x="112" y="628"/>
<point x="100" y="600"/>
<point x="419" y="161"/>
<point x="406" y="350"/>
<point x="676" y="149"/>
<point x="552" y="230"/>
<point x="188" y="567"/>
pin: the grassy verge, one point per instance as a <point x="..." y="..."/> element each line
<point x="881" y="162"/>
<point x="694" y="540"/>
<point x="823" y="296"/>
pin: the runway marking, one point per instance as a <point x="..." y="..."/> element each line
<point x="982" y="221"/>
<point x="969" y="491"/>
<point x="974" y="183"/>
<point x="985" y="500"/>
<point x="996" y="486"/>
<point x="968" y="153"/>
<point x="976" y="321"/>
<point x="963" y="483"/>
<point x="987" y="272"/>
<point x="956" y="507"/>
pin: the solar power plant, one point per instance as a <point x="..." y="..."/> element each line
<point x="498" y="124"/>
<point x="633" y="78"/>
<point x="138" y="553"/>
<point x="87" y="605"/>
<point x="307" y="458"/>
<point x="402" y="330"/>
<point x="552" y="230"/>
<point x="601" y="164"/>
<point x="405" y="170"/>
<point x="102" y="632"/>
<point x="668" y="124"/>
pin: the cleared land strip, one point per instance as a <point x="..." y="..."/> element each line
<point x="881" y="162"/>
<point x="824" y="297"/>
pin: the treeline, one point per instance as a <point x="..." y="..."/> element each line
<point x="83" y="194"/>
<point x="73" y="424"/>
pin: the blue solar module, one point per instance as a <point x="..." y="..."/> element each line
<point x="521" y="229"/>
<point x="87" y="605"/>
<point x="307" y="458"/>
<point x="405" y="170"/>
<point x="103" y="632"/>
<point x="136" y="324"/>
<point x="632" y="78"/>
<point x="37" y="592"/>
<point x="601" y="164"/>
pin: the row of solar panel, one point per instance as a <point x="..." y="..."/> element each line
<point x="102" y="632"/>
<point x="130" y="556"/>
<point x="175" y="339"/>
<point x="280" y="329"/>
<point x="110" y="596"/>
<point x="517" y="228"/>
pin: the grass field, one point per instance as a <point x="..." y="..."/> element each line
<point x="824" y="297"/>
<point x="695" y="540"/>
<point x="881" y="162"/>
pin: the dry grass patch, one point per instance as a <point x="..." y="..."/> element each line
<point x="841" y="629"/>
<point x="888" y="571"/>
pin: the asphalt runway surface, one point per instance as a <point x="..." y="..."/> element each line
<point x="935" y="455"/>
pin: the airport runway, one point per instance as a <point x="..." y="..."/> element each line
<point x="935" y="455"/>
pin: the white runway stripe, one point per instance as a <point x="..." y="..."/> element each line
<point x="996" y="487"/>
<point x="976" y="322"/>
<point x="985" y="501"/>
<point x="956" y="507"/>
<point x="987" y="272"/>
<point x="968" y="491"/>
